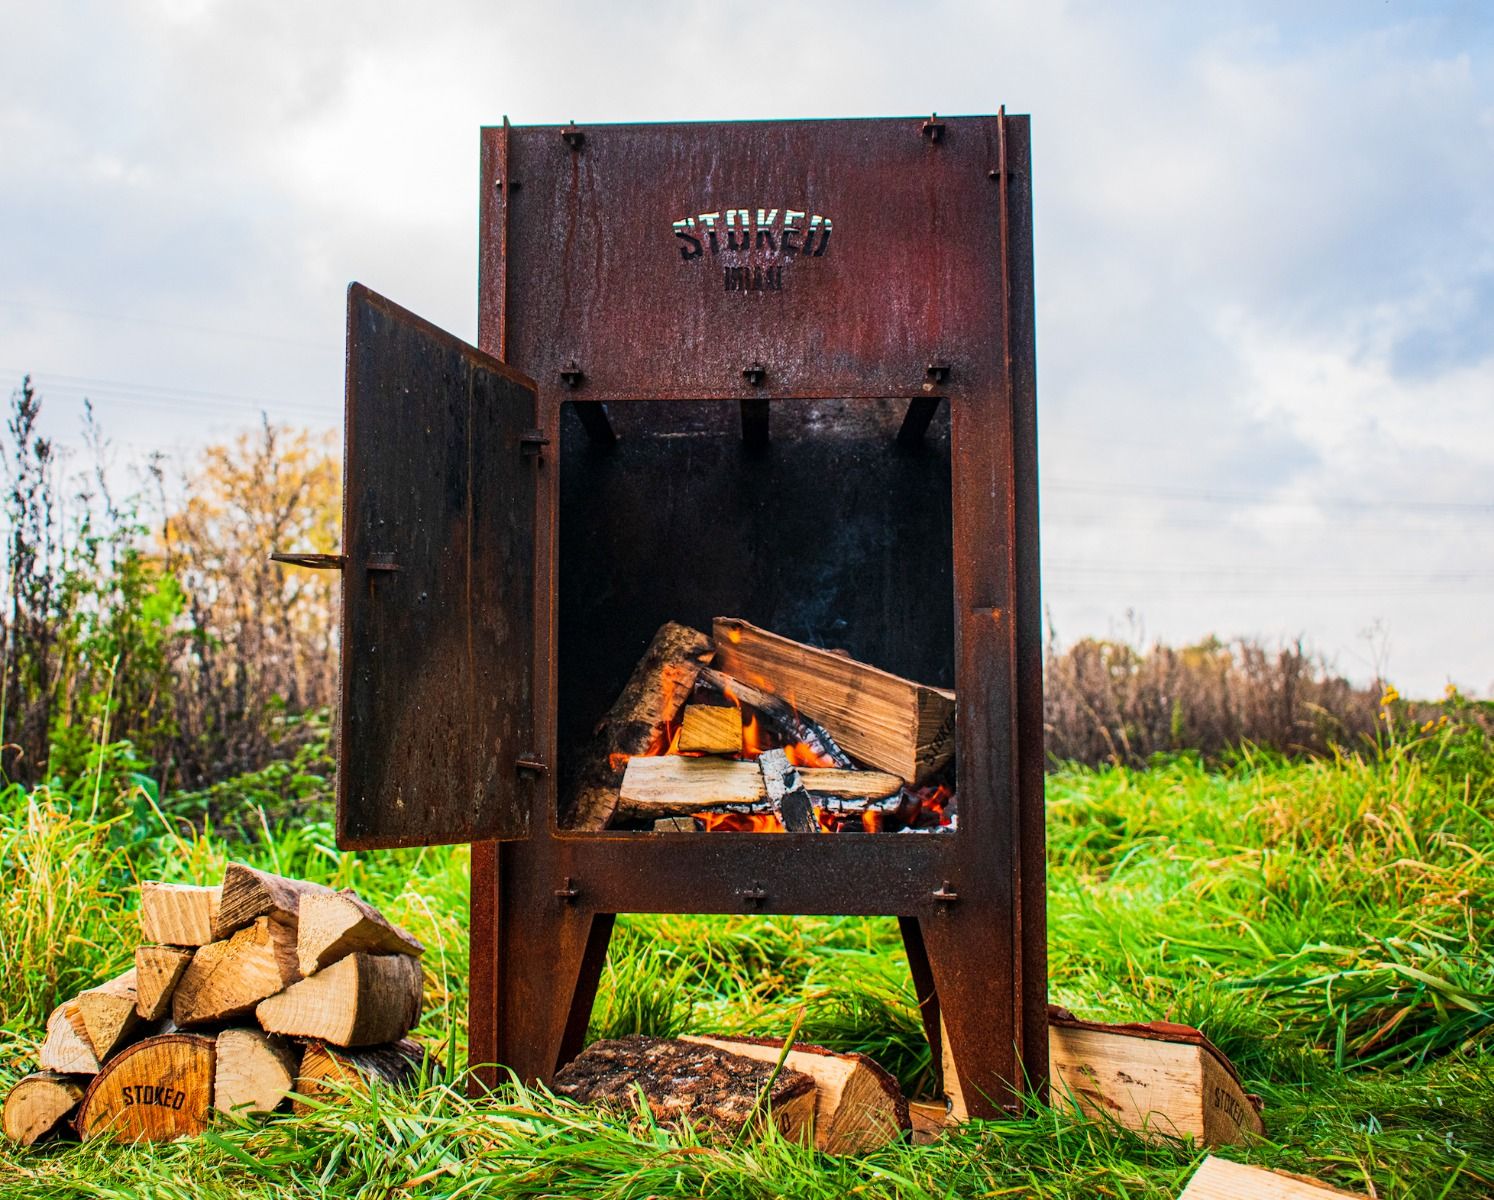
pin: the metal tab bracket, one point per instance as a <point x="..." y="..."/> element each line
<point x="315" y="562"/>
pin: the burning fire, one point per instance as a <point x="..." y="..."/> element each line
<point x="924" y="808"/>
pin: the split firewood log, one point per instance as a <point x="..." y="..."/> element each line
<point x="335" y="925"/>
<point x="858" y="1106"/>
<point x="787" y="793"/>
<point x="669" y="785"/>
<point x="360" y="1000"/>
<point x="227" y="979"/>
<point x="929" y="1118"/>
<point x="881" y="719"/>
<point x="1221" y="1179"/>
<point x="158" y="969"/>
<point x="1162" y="1079"/>
<point x="109" y="1016"/>
<point x="398" y="1064"/>
<point x="40" y="1104"/>
<point x="637" y="722"/>
<point x="689" y="1081"/>
<point x="67" y="1050"/>
<point x="711" y="729"/>
<point x="789" y="720"/>
<point x="158" y="1089"/>
<point x="249" y="894"/>
<point x="254" y="1071"/>
<point x="178" y="914"/>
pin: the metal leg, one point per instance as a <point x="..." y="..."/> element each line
<point x="968" y="971"/>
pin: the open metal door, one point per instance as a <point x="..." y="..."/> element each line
<point x="440" y="484"/>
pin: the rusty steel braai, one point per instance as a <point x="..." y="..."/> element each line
<point x="730" y="524"/>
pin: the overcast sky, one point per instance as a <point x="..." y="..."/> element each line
<point x="1265" y="253"/>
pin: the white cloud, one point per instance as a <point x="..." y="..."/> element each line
<point x="1265" y="248"/>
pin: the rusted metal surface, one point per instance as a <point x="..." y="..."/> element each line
<point x="866" y="252"/>
<point x="437" y="620"/>
<point x="923" y="292"/>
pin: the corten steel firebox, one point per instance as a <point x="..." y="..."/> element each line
<point x="776" y="370"/>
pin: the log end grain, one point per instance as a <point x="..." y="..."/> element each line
<point x="158" y="969"/>
<point x="360" y="1000"/>
<point x="67" y="1049"/>
<point x="227" y="979"/>
<point x="40" y="1104"/>
<point x="333" y="926"/>
<point x="399" y="1064"/>
<point x="178" y="914"/>
<point x="253" y="1071"/>
<point x="157" y="1090"/>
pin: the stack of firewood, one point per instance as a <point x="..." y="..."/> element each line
<point x="847" y="737"/>
<point x="240" y="995"/>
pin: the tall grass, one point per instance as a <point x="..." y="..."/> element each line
<point x="1324" y="921"/>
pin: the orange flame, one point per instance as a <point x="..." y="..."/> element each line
<point x="740" y="822"/>
<point x="752" y="737"/>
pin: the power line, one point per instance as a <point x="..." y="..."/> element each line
<point x="134" y="319"/>
<point x="78" y="387"/>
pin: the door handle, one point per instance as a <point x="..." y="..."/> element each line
<point x="335" y="562"/>
<point x="317" y="562"/>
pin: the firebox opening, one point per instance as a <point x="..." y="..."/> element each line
<point x="830" y="533"/>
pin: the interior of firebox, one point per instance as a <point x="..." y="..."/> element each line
<point x="756" y="617"/>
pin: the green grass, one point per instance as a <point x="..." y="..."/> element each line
<point x="1326" y="922"/>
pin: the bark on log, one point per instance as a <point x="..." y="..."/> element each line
<point x="40" y="1104"/>
<point x="178" y="914"/>
<point x="254" y="1071"/>
<point x="711" y="729"/>
<point x="689" y="1081"/>
<point x="109" y="1016"/>
<point x="249" y="894"/>
<point x="879" y="718"/>
<point x="360" y="1000"/>
<point x="227" y="979"/>
<point x="858" y="1106"/>
<point x="636" y="723"/>
<point x="396" y="1065"/>
<point x="334" y="926"/>
<point x="67" y="1049"/>
<point x="158" y="1089"/>
<point x="672" y="786"/>
<point x="158" y="969"/>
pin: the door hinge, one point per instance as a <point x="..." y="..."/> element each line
<point x="532" y="441"/>
<point x="530" y="764"/>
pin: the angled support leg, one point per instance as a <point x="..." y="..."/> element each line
<point x="978" y="1009"/>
